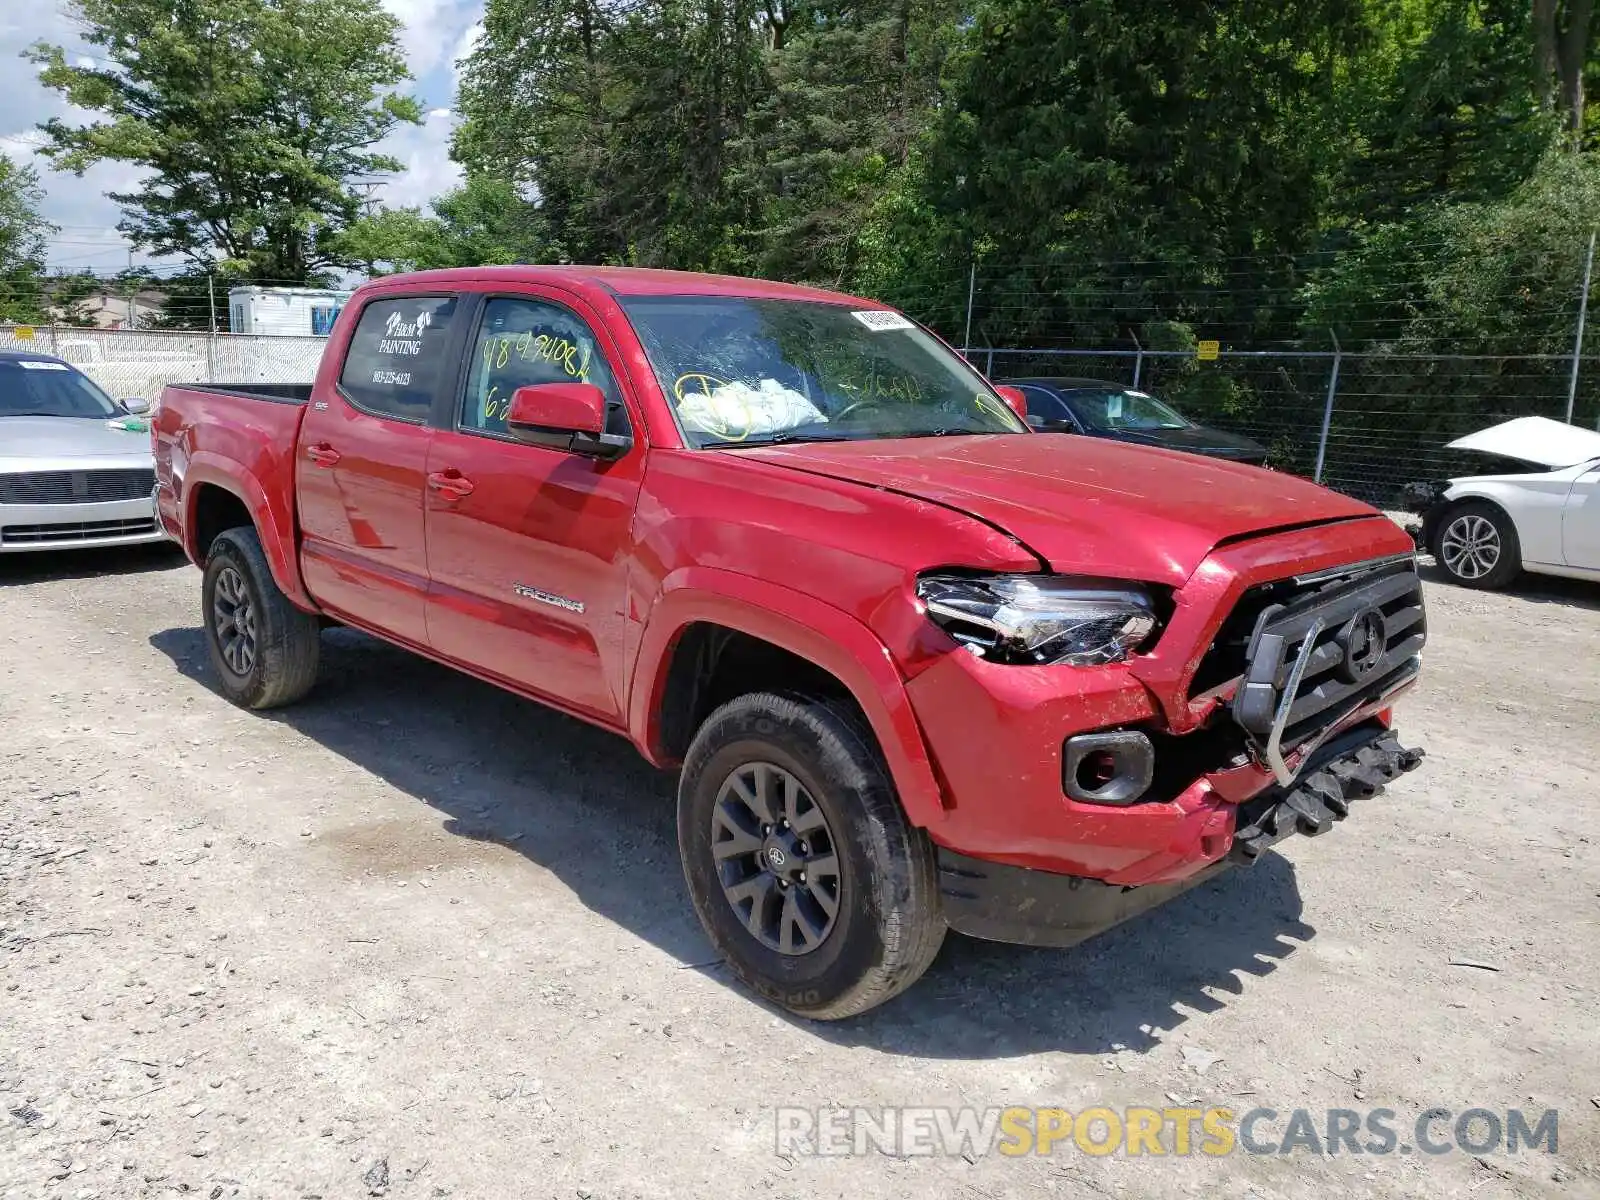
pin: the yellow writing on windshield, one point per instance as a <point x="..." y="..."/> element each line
<point x="904" y="388"/>
<point x="995" y="408"/>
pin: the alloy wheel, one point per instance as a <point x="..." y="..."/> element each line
<point x="234" y="619"/>
<point x="1470" y="546"/>
<point x="776" y="858"/>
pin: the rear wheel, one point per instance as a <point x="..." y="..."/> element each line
<point x="264" y="649"/>
<point x="1476" y="545"/>
<point x="801" y="864"/>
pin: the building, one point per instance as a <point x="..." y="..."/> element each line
<point x="105" y="309"/>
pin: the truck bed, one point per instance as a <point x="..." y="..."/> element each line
<point x="238" y="438"/>
<point x="278" y="393"/>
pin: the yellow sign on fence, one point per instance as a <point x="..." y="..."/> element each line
<point x="24" y="333"/>
<point x="1208" y="351"/>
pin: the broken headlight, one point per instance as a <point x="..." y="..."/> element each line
<point x="1040" y="619"/>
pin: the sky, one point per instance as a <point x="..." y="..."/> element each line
<point x="434" y="35"/>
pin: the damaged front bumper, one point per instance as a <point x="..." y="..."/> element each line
<point x="1356" y="766"/>
<point x="1004" y="903"/>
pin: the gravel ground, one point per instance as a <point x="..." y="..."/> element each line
<point x="421" y="938"/>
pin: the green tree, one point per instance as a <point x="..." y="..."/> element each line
<point x="482" y="221"/>
<point x="1498" y="278"/>
<point x="1116" y="161"/>
<point x="252" y="119"/>
<point x="849" y="86"/>
<point x="625" y="118"/>
<point x="23" y="236"/>
<point x="1437" y="104"/>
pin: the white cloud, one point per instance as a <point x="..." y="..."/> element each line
<point x="424" y="150"/>
<point x="465" y="45"/>
<point x="429" y="28"/>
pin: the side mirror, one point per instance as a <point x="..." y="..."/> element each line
<point x="564" y="416"/>
<point x="135" y="406"/>
<point x="1013" y="397"/>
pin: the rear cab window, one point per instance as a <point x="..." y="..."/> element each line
<point x="398" y="356"/>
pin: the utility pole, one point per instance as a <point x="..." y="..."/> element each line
<point x="1583" y="316"/>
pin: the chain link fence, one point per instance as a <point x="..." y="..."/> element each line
<point x="1366" y="424"/>
<point x="131" y="363"/>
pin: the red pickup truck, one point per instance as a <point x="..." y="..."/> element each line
<point x="920" y="666"/>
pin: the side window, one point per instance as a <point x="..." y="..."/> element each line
<point x="1042" y="404"/>
<point x="392" y="366"/>
<point x="525" y="341"/>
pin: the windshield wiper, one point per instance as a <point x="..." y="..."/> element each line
<point x="780" y="439"/>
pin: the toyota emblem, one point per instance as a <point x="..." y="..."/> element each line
<point x="1364" y="640"/>
<point x="775" y="856"/>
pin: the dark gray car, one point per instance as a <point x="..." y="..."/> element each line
<point x="1099" y="408"/>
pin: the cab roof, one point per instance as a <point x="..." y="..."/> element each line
<point x="627" y="281"/>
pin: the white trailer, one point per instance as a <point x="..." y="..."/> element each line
<point x="306" y="312"/>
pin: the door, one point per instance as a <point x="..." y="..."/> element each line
<point x="528" y="546"/>
<point x="1580" y="522"/>
<point x="363" y="456"/>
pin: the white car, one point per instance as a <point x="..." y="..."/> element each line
<point x="76" y="467"/>
<point x="1485" y="529"/>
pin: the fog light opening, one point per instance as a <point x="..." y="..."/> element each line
<point x="1115" y="767"/>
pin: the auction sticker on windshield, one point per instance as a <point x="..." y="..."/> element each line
<point x="34" y="364"/>
<point x="880" y="320"/>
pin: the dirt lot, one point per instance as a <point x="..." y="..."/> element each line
<point x="419" y="936"/>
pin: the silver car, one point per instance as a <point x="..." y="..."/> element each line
<point x="75" y="466"/>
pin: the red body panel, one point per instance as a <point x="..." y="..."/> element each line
<point x="1076" y="501"/>
<point x="206" y="437"/>
<point x="572" y="579"/>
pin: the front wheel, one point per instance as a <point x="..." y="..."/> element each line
<point x="801" y="864"/>
<point x="264" y="649"/>
<point x="1476" y="545"/>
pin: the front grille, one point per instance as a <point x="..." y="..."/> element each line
<point x="74" y="531"/>
<point x="1317" y="648"/>
<point x="77" y="487"/>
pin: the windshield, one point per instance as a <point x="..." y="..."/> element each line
<point x="38" y="388"/>
<point x="741" y="371"/>
<point x="1115" y="410"/>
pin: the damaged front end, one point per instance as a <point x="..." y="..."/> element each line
<point x="1277" y="727"/>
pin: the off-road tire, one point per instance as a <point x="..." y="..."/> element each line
<point x="1457" y="563"/>
<point x="287" y="646"/>
<point x="888" y="926"/>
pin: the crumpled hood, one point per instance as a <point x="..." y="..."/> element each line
<point x="1537" y="440"/>
<point x="1085" y="505"/>
<point x="35" y="441"/>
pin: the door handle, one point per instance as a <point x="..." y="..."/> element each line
<point x="323" y="454"/>
<point x="452" y="484"/>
